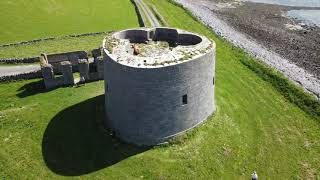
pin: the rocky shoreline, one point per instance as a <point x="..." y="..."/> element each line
<point x="300" y="72"/>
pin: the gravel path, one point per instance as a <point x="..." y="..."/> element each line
<point x="150" y="16"/>
<point x="13" y="70"/>
<point x="292" y="71"/>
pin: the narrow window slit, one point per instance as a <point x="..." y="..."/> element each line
<point x="185" y="99"/>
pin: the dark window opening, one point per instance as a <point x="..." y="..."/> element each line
<point x="185" y="99"/>
<point x="213" y="80"/>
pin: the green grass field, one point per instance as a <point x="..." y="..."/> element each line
<point x="58" y="134"/>
<point x="59" y="45"/>
<point x="26" y="20"/>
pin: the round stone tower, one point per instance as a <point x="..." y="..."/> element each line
<point x="159" y="82"/>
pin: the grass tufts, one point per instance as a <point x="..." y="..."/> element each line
<point x="290" y="91"/>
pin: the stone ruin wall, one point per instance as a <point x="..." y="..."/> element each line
<point x="66" y="64"/>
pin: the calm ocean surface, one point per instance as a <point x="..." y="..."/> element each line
<point x="305" y="3"/>
<point x="310" y="17"/>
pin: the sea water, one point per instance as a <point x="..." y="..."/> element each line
<point x="303" y="3"/>
<point x="309" y="17"/>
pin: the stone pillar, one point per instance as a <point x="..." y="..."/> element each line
<point x="100" y="67"/>
<point x="96" y="53"/>
<point x="84" y="70"/>
<point x="66" y="70"/>
<point x="44" y="58"/>
<point x="48" y="76"/>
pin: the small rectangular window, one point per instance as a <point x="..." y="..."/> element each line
<point x="185" y="99"/>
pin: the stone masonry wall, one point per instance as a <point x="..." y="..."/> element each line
<point x="19" y="60"/>
<point x="52" y="58"/>
<point x="145" y="105"/>
<point x="29" y="75"/>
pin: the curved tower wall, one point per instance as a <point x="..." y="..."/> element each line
<point x="146" y="106"/>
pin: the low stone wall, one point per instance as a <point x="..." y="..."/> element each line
<point x="28" y="42"/>
<point x="73" y="57"/>
<point x="52" y="38"/>
<point x="20" y="60"/>
<point x="54" y="59"/>
<point x="29" y="75"/>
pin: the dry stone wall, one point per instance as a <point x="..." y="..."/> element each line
<point x="29" y="75"/>
<point x="19" y="60"/>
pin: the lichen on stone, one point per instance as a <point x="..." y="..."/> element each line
<point x="111" y="42"/>
<point x="151" y="53"/>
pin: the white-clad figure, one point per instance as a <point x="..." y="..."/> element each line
<point x="254" y="175"/>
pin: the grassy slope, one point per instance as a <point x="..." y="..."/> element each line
<point x="255" y="128"/>
<point x="26" y="20"/>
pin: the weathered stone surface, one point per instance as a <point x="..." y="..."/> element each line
<point x="146" y="106"/>
<point x="20" y="60"/>
<point x="94" y="76"/>
<point x="163" y="49"/>
<point x="96" y="52"/>
<point x="66" y="70"/>
<point x="20" y="76"/>
<point x="100" y="67"/>
<point x="166" y="34"/>
<point x="73" y="57"/>
<point x="43" y="58"/>
<point x="48" y="76"/>
<point x="135" y="35"/>
<point x="83" y="70"/>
